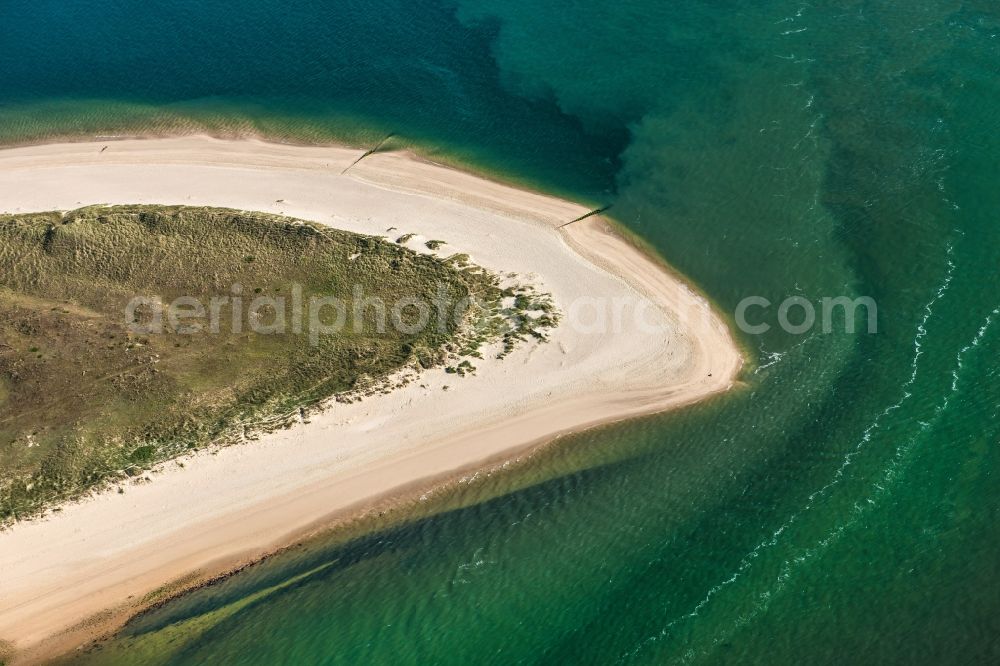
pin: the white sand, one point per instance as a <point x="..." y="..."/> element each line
<point x="225" y="509"/>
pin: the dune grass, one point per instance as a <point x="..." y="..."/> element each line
<point x="85" y="401"/>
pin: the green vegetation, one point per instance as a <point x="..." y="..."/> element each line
<point x="86" y="401"/>
<point x="434" y="244"/>
<point x="462" y="369"/>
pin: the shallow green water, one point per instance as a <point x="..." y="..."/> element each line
<point x="842" y="507"/>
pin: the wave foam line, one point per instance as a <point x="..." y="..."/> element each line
<point x="773" y="540"/>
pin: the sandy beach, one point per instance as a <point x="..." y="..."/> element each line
<point x="661" y="348"/>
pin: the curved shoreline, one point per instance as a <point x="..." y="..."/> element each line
<point x="349" y="457"/>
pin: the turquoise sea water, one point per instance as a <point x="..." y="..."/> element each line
<point x="843" y="506"/>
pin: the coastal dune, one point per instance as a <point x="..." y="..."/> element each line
<point x="634" y="340"/>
